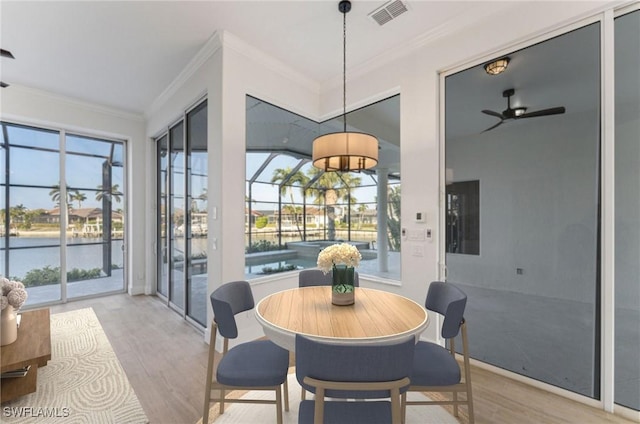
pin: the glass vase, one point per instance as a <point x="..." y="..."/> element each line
<point x="343" y="288"/>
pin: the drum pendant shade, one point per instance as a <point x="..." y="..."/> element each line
<point x="345" y="151"/>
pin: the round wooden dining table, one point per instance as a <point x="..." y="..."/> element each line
<point x="376" y="317"/>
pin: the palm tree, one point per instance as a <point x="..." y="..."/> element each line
<point x="331" y="188"/>
<point x="362" y="208"/>
<point x="78" y="197"/>
<point x="17" y="214"/>
<point x="287" y="178"/>
<point x="113" y="194"/>
<point x="55" y="195"/>
<point x="393" y="220"/>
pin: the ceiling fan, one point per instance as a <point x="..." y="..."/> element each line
<point x="9" y="55"/>
<point x="519" y="112"/>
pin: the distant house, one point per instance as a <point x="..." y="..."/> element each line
<point x="84" y="221"/>
<point x="251" y="220"/>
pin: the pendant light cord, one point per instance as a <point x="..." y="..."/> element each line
<point x="344" y="69"/>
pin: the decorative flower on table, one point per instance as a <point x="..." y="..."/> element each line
<point x="338" y="254"/>
<point x="342" y="259"/>
<point x="13" y="294"/>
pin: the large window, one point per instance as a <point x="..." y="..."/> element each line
<point x="182" y="231"/>
<point x="61" y="240"/>
<point x="531" y="137"/>
<point x="292" y="209"/>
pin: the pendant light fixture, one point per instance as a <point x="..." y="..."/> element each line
<point x="345" y="151"/>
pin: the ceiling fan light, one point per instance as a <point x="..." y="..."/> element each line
<point x="498" y="66"/>
<point x="519" y="111"/>
<point x="345" y="151"/>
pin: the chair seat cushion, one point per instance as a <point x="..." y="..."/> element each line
<point x="254" y="364"/>
<point x="433" y="365"/>
<point x="347" y="412"/>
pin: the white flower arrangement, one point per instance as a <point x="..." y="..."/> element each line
<point x="338" y="254"/>
<point x="13" y="294"/>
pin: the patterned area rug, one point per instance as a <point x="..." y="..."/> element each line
<point x="265" y="414"/>
<point x="82" y="383"/>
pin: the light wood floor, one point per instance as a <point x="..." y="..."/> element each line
<point x="165" y="360"/>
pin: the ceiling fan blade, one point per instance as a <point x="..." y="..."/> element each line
<point x="496" y="125"/>
<point x="544" y="112"/>
<point x="3" y="84"/>
<point x="492" y="113"/>
<point x="6" y="53"/>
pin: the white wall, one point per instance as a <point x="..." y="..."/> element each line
<point x="34" y="107"/>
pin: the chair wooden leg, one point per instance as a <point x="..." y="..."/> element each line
<point x="207" y="386"/>
<point x="396" y="407"/>
<point x="279" y="405"/>
<point x="403" y="400"/>
<point x="470" y="404"/>
<point x="455" y="405"/>
<point x="318" y="408"/>
<point x="467" y="372"/>
<point x="285" y="387"/>
<point x="207" y="399"/>
<point x="222" y="395"/>
<point x="303" y="395"/>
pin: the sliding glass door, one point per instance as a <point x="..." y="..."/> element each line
<point x="522" y="153"/>
<point x="182" y="214"/>
<point x="627" y="206"/>
<point x="62" y="241"/>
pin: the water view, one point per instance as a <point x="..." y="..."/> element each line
<point x="28" y="253"/>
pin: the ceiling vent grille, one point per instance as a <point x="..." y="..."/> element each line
<point x="388" y="11"/>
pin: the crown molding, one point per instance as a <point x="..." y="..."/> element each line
<point x="450" y="27"/>
<point x="242" y="47"/>
<point x="83" y="104"/>
<point x="213" y="44"/>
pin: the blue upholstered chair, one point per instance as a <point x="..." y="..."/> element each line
<point x="352" y="372"/>
<point x="256" y="365"/>
<point x="315" y="277"/>
<point x="435" y="368"/>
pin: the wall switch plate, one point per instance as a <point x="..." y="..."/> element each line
<point x="421" y="217"/>
<point x="416" y="235"/>
<point x="417" y="250"/>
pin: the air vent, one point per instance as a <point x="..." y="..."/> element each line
<point x="388" y="12"/>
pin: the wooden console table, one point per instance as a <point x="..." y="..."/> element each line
<point x="32" y="348"/>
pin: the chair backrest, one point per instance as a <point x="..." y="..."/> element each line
<point x="449" y="301"/>
<point x="227" y="301"/>
<point x="316" y="277"/>
<point x="313" y="277"/>
<point x="353" y="363"/>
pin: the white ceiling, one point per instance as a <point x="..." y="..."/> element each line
<point x="124" y="54"/>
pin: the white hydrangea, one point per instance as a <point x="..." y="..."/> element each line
<point x="338" y="254"/>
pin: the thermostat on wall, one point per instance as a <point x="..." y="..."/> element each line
<point x="421" y="217"/>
